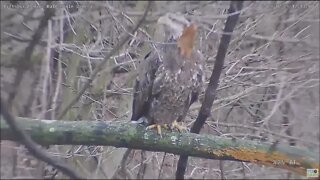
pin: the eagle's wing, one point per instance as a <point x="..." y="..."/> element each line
<point x="143" y="85"/>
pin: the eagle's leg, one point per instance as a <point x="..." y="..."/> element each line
<point x="158" y="126"/>
<point x="175" y="125"/>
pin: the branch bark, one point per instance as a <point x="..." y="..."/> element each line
<point x="124" y="134"/>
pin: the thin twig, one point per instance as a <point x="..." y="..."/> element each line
<point x="164" y="156"/>
<point x="24" y="62"/>
<point x="101" y="64"/>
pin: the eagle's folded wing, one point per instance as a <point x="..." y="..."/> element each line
<point x="143" y="86"/>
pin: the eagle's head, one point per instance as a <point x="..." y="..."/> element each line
<point x="171" y="26"/>
<point x="176" y="28"/>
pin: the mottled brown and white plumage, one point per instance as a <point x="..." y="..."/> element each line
<point x="171" y="77"/>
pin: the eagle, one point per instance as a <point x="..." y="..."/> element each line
<point x="171" y="76"/>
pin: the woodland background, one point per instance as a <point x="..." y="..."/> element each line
<point x="268" y="91"/>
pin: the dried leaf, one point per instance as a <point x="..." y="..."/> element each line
<point x="186" y="40"/>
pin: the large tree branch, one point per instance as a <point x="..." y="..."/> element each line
<point x="124" y="134"/>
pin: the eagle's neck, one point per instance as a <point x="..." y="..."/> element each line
<point x="172" y="60"/>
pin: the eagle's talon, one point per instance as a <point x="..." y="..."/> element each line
<point x="177" y="126"/>
<point x="158" y="126"/>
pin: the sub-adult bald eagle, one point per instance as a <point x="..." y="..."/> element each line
<point x="170" y="77"/>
